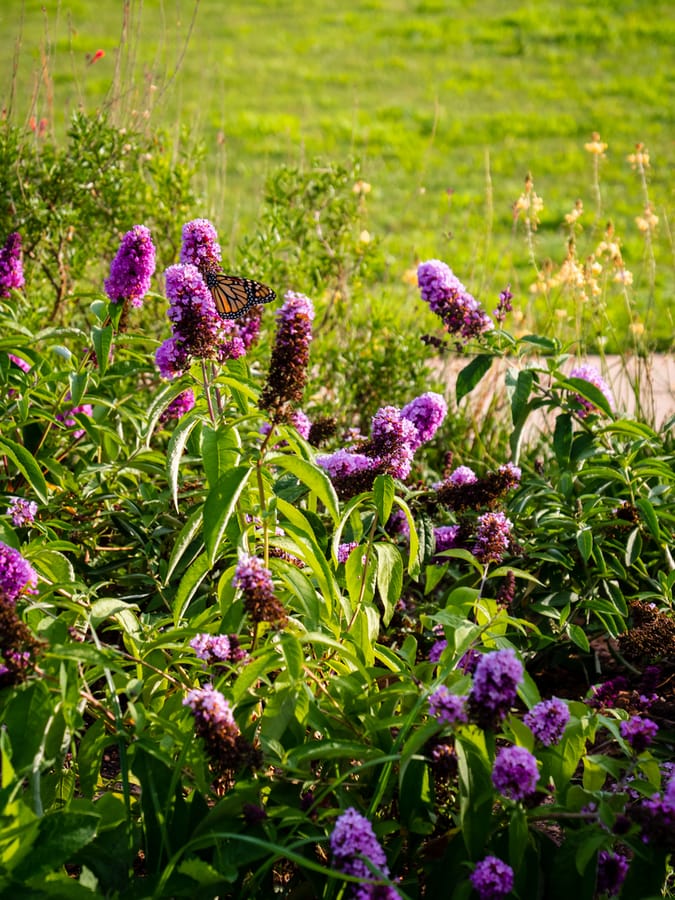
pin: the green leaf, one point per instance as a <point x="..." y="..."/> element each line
<point x="470" y="375"/>
<point x="60" y="836"/>
<point x="648" y="515"/>
<point x="186" y="536"/>
<point x="562" y="438"/>
<point x="78" y="384"/>
<point x="589" y="392"/>
<point x="383" y="492"/>
<point x="193" y="577"/>
<point x="585" y="543"/>
<point x="312" y="476"/>
<point x="633" y="547"/>
<point x="291" y="650"/>
<point x="221" y="451"/>
<point x="221" y="503"/>
<point x="27" y="465"/>
<point x="102" y="338"/>
<point x="389" y="578"/>
<point x="106" y="607"/>
<point x="179" y="439"/>
<point x="519" y="395"/>
<point x="578" y="636"/>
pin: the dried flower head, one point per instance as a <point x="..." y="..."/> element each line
<point x="287" y="374"/>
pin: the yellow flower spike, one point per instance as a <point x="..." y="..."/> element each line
<point x="595" y="145"/>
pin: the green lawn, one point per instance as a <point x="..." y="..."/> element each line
<point x="424" y="94"/>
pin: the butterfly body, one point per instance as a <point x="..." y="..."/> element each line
<point x="234" y="295"/>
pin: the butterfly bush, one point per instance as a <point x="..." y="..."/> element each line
<point x="200" y="245"/>
<point x="132" y="268"/>
<point x="353" y="846"/>
<point x="18" y="646"/>
<point x="492" y="878"/>
<point x="217" y="648"/>
<point x="254" y="580"/>
<point x="494" y="689"/>
<point x="287" y="375"/>
<point x="592" y="376"/>
<point x="612" y="871"/>
<point x="214" y="723"/>
<point x="19" y="363"/>
<point x="515" y="773"/>
<point x="69" y="420"/>
<point x="547" y="720"/>
<point x="180" y="405"/>
<point x="446" y="296"/>
<point x="492" y="537"/>
<point x="22" y="512"/>
<point x="17" y="576"/>
<point x="639" y="732"/>
<point x="11" y="265"/>
<point x="427" y="413"/>
<point x="446" y="707"/>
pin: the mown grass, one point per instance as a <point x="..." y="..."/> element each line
<point x="447" y="105"/>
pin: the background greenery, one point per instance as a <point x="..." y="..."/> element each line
<point x="447" y="106"/>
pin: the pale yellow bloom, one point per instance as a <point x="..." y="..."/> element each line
<point x="364" y="237"/>
<point x="595" y="145"/>
<point x="410" y="276"/>
<point x="529" y="204"/>
<point x="639" y="159"/>
<point x="637" y="328"/>
<point x="575" y="214"/>
<point x="623" y="276"/>
<point x="648" y="222"/>
<point x="362" y="187"/>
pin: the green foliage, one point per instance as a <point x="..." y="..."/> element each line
<point x="112" y="786"/>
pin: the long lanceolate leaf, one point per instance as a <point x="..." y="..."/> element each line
<point x="179" y="439"/>
<point x="221" y="503"/>
<point x="26" y="464"/>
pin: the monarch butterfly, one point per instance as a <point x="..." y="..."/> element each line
<point x="233" y="295"/>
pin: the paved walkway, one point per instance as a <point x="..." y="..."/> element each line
<point x="655" y="378"/>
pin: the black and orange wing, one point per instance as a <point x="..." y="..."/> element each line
<point x="234" y="295"/>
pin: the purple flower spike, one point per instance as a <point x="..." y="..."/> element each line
<point x="592" y="376"/>
<point x="180" y="405"/>
<point x="200" y="245"/>
<point x="427" y="413"/>
<point x="446" y="707"/>
<point x="353" y="842"/>
<point x="460" y="313"/>
<point x="612" y="871"/>
<point x="22" y="511"/>
<point x="639" y="732"/>
<point x="11" y="265"/>
<point x="287" y="374"/>
<point x="132" y="268"/>
<point x="495" y="682"/>
<point x="17" y="576"/>
<point x="171" y="359"/>
<point x="515" y="773"/>
<point x="257" y="587"/>
<point x="492" y="537"/>
<point x="492" y="878"/>
<point x="462" y="475"/>
<point x="547" y="721"/>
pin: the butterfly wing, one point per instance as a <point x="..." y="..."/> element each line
<point x="234" y="295"/>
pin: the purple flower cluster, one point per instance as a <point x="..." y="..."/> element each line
<point x="217" y="648"/>
<point x="495" y="682"/>
<point x="427" y="413"/>
<point x="592" y="376"/>
<point x="20" y="363"/>
<point x="460" y="313"/>
<point x="215" y="725"/>
<point x="287" y="374"/>
<point x="612" y="871"/>
<point x="515" y="773"/>
<point x="394" y="437"/>
<point x="639" y="732"/>
<point x="180" y="405"/>
<point x="132" y="268"/>
<point x="504" y="306"/>
<point x="492" y="537"/>
<point x="11" y="266"/>
<point x="437" y="650"/>
<point x="356" y="851"/>
<point x="492" y="878"/>
<point x="344" y="551"/>
<point x="446" y="537"/>
<point x="462" y="475"/>
<point x="22" y="511"/>
<point x="210" y="708"/>
<point x="255" y="583"/>
<point x="69" y="420"/>
<point x="446" y="707"/>
<point x="547" y="720"/>
<point x="200" y="247"/>
<point x="656" y="816"/>
<point x="393" y="441"/>
<point x="17" y="576"/>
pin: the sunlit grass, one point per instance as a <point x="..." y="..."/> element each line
<point x="429" y="96"/>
